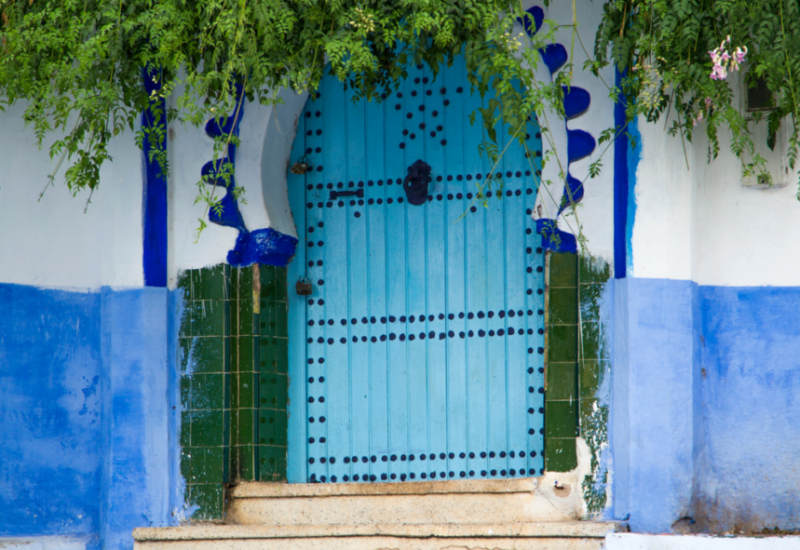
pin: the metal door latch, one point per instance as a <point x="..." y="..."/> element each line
<point x="336" y="194"/>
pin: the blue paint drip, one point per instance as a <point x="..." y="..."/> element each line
<point x="576" y="101"/>
<point x="154" y="207"/>
<point x="554" y="56"/>
<point x="580" y="145"/>
<point x="621" y="186"/>
<point x="553" y="238"/>
<point x="265" y="246"/>
<point x="537" y="14"/>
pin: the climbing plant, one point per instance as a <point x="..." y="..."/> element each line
<point x="682" y="59"/>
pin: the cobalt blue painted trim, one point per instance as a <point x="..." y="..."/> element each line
<point x="620" y="186"/>
<point x="553" y="238"/>
<point x="265" y="246"/>
<point x="580" y="144"/>
<point x="154" y="195"/>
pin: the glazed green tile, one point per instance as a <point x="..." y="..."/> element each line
<point x="185" y="347"/>
<point x="273" y="427"/>
<point x="275" y="390"/>
<point x="268" y="283"/>
<point x="562" y="342"/>
<point x="208" y="318"/>
<point x="561" y="455"/>
<point x="227" y="316"/>
<point x="245" y="317"/>
<point x="226" y="396"/>
<point x="592" y="345"/>
<point x="212" y="284"/>
<point x="563" y="270"/>
<point x="207" y="465"/>
<point x="589" y="378"/>
<point x="226" y="427"/>
<point x="185" y="284"/>
<point x="195" y="275"/>
<point x="186" y="428"/>
<point x="561" y="419"/>
<point x="272" y="463"/>
<point x="207" y="392"/>
<point x="594" y="271"/>
<point x="247" y="389"/>
<point x="562" y="381"/>
<point x="186" y="319"/>
<point x="186" y="464"/>
<point x="590" y="296"/>
<point x="208" y="354"/>
<point x="234" y="285"/>
<point x="274" y="355"/>
<point x="245" y="434"/>
<point x="234" y="353"/>
<point x="273" y="319"/>
<point x="227" y="351"/>
<point x="243" y="465"/>
<point x="246" y="283"/>
<point x="233" y="318"/>
<point x="207" y="428"/>
<point x="563" y="306"/>
<point x="247" y="469"/>
<point x="246" y="359"/>
<point x="209" y="499"/>
<point x="186" y="391"/>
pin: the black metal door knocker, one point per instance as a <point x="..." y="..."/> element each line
<point x="416" y="182"/>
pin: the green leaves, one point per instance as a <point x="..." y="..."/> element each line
<point x="663" y="46"/>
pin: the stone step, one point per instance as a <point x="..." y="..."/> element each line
<point x="436" y="502"/>
<point x="573" y="535"/>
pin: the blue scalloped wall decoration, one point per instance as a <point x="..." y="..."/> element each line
<point x="264" y="246"/>
<point x="580" y="144"/>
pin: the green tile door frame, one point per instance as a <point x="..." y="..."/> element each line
<point x="234" y="385"/>
<point x="234" y="389"/>
<point x="575" y="363"/>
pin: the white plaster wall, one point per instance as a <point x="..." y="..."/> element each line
<point x="662" y="235"/>
<point x="703" y="224"/>
<point x="52" y="242"/>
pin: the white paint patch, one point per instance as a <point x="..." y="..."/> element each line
<point x="633" y="541"/>
<point x="52" y="242"/>
<point x="43" y="543"/>
<point x="702" y="224"/>
<point x="662" y="234"/>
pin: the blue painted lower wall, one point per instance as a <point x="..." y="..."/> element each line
<point x="88" y="421"/>
<point x="706" y="406"/>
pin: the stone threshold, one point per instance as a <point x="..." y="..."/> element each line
<point x="289" y="490"/>
<point x="554" y="529"/>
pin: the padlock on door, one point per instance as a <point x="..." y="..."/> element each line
<point x="303" y="286"/>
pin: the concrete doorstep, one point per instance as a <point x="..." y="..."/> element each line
<point x="577" y="535"/>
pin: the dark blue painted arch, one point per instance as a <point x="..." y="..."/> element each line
<point x="265" y="245"/>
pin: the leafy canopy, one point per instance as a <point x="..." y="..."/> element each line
<point x="78" y="65"/>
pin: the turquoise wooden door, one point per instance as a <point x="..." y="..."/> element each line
<point x="420" y="348"/>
